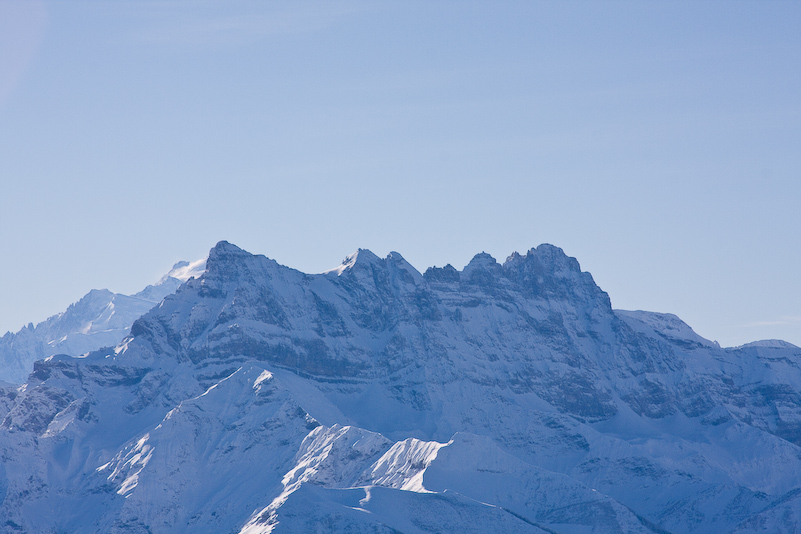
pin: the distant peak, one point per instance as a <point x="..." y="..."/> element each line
<point x="442" y="274"/>
<point x="364" y="255"/>
<point x="396" y="261"/>
<point x="770" y="344"/>
<point x="184" y="270"/>
<point x="95" y="296"/>
<point x="545" y="253"/>
<point x="361" y="257"/>
<point x="224" y="253"/>
<point x="481" y="260"/>
<point x="98" y="293"/>
<point x="482" y="270"/>
<point x="226" y="248"/>
<point x="553" y="257"/>
<point x="547" y="248"/>
<point x="229" y="262"/>
<point x="666" y="324"/>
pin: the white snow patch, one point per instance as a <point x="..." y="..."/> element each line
<point x="264" y="376"/>
<point x="122" y="347"/>
<point x="404" y="464"/>
<point x="128" y="465"/>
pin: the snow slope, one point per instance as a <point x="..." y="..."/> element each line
<point x="373" y="398"/>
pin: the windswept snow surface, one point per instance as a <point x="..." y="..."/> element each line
<point x="100" y="319"/>
<point x="506" y="397"/>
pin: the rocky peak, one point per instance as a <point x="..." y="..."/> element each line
<point x="403" y="269"/>
<point x="224" y="253"/>
<point x="97" y="293"/>
<point x="553" y="258"/>
<point x="358" y="260"/>
<point x="546" y="271"/>
<point x="481" y="260"/>
<point x="482" y="270"/>
<point x="229" y="263"/>
<point x="447" y="274"/>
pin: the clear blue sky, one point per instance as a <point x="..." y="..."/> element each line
<point x="657" y="142"/>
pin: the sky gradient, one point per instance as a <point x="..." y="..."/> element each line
<point x="659" y="143"/>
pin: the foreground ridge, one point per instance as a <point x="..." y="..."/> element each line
<point x="502" y="397"/>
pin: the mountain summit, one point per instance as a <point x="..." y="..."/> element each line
<point x="372" y="398"/>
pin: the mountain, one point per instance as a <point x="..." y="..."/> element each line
<point x="100" y="319"/>
<point x="373" y="398"/>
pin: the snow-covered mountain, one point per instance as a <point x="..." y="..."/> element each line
<point x="373" y="398"/>
<point x="100" y="319"/>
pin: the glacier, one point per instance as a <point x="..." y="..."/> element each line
<point x="505" y="397"/>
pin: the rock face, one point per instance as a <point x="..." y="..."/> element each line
<point x="100" y="319"/>
<point x="372" y="398"/>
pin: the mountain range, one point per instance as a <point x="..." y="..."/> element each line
<point x="505" y="397"/>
